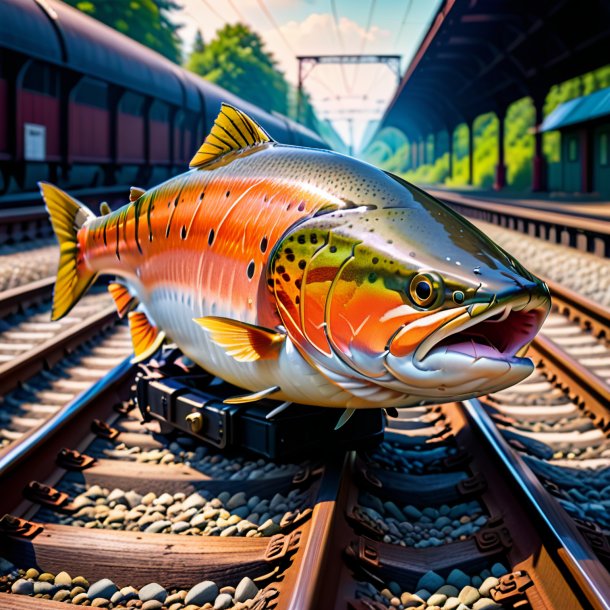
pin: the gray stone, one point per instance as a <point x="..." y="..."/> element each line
<point x="202" y="593"/>
<point x="468" y="595"/>
<point x="23" y="587"/>
<point x="423" y="594"/>
<point x="133" y="499"/>
<point x="115" y="495"/>
<point x="448" y="590"/>
<point x="179" y="526"/>
<point x="458" y="579"/>
<point x="199" y="521"/>
<point x="44" y="588"/>
<point x="242" y="511"/>
<point x="102" y="588"/>
<point x="63" y="579"/>
<point x="245" y="590"/>
<point x="6" y="567"/>
<point x="488" y="585"/>
<point x="497" y="570"/>
<point x="236" y="500"/>
<point x="223" y="601"/>
<point x="157" y="526"/>
<point x="152" y="591"/>
<point x="451" y="604"/>
<point x="438" y="599"/>
<point x="195" y="500"/>
<point x="486" y="604"/>
<point x="394" y="511"/>
<point x="430" y="581"/>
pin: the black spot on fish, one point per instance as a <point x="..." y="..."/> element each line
<point x="302" y="264"/>
<point x="250" y="270"/>
<point x="333" y="249"/>
<point x="372" y="277"/>
<point x="297" y="299"/>
<point x="313" y="238"/>
<point x="288" y="207"/>
<point x="281" y="269"/>
<point x="183" y="232"/>
<point x="298" y="283"/>
<point x="264" y="244"/>
<point x="375" y="260"/>
<point x="270" y="281"/>
<point x="285" y="277"/>
<point x="202" y="195"/>
<point x="301" y="239"/>
<point x="228" y="193"/>
<point x="211" y="237"/>
<point x="301" y="206"/>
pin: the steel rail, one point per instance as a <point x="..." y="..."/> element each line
<point x="571" y="547"/>
<point x="14" y="299"/>
<point x="51" y="351"/>
<point x="582" y="308"/>
<point x="20" y="450"/>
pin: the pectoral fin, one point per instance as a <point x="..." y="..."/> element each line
<point x="344" y="418"/>
<point x="239" y="400"/>
<point x="145" y="336"/>
<point x="123" y="299"/>
<point x="243" y="342"/>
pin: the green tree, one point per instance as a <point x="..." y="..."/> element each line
<point x="199" y="44"/>
<point x="147" y="21"/>
<point x="236" y="59"/>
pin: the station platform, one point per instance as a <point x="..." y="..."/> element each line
<point x="587" y="206"/>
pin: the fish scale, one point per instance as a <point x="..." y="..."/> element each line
<point x="306" y="276"/>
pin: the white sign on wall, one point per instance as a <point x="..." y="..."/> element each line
<point x="35" y="142"/>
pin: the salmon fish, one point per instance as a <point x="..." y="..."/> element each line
<point x="306" y="276"/>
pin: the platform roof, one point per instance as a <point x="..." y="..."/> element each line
<point x="579" y="110"/>
<point x="481" y="55"/>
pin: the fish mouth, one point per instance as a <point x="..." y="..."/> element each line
<point x="501" y="330"/>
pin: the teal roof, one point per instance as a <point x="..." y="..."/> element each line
<point x="578" y="110"/>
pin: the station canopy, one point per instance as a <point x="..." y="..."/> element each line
<point x="480" y="56"/>
<point x="579" y="110"/>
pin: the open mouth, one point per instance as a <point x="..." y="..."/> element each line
<point x="498" y="332"/>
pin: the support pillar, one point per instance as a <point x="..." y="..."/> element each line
<point x="414" y="163"/>
<point x="422" y="151"/>
<point x="539" y="182"/>
<point x="500" y="181"/>
<point x="586" y="161"/>
<point x="450" y="150"/>
<point x="471" y="153"/>
<point x="434" y="147"/>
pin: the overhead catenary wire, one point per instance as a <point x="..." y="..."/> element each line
<point x="369" y="23"/>
<point x="213" y="10"/>
<point x="271" y="19"/>
<point x="333" y="7"/>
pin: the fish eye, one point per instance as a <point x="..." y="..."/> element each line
<point x="424" y="289"/>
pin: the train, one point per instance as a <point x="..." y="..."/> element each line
<point x="82" y="105"/>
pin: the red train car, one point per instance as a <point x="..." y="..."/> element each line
<point x="83" y="105"/>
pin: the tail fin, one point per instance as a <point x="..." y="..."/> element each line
<point x="67" y="216"/>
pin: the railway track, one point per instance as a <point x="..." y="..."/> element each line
<point x="443" y="514"/>
<point x="494" y="504"/>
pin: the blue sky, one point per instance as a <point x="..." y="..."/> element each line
<point x="325" y="27"/>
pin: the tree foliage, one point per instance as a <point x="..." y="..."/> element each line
<point x="147" y="21"/>
<point x="236" y="59"/>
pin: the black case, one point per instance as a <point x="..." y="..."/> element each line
<point x="170" y="395"/>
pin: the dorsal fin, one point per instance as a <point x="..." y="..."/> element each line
<point x="232" y="130"/>
<point x="135" y="192"/>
